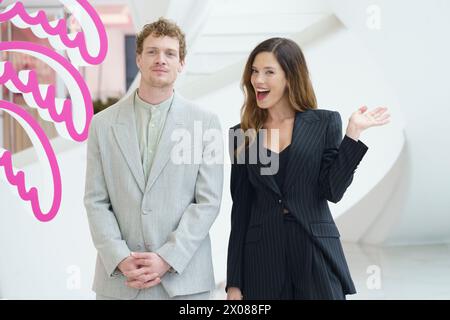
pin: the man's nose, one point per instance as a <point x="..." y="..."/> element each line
<point x="160" y="59"/>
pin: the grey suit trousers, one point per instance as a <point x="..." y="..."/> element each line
<point x="158" y="293"/>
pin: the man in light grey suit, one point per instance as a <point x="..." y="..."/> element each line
<point x="150" y="203"/>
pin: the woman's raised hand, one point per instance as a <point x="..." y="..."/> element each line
<point x="363" y="119"/>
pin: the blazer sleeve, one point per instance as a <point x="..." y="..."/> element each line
<point x="339" y="160"/>
<point x="199" y="216"/>
<point x="241" y="194"/>
<point x="103" y="224"/>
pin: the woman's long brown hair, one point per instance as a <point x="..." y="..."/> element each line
<point x="299" y="87"/>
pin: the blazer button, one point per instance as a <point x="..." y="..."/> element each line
<point x="280" y="201"/>
<point x="146" y="211"/>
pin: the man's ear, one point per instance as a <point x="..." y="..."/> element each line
<point x="138" y="61"/>
<point x="181" y="66"/>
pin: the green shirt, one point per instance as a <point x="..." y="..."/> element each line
<point x="150" y="121"/>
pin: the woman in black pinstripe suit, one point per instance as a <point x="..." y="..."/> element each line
<point x="289" y="159"/>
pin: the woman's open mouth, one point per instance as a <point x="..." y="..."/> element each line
<point x="262" y="94"/>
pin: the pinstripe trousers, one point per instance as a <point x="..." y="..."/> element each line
<point x="300" y="277"/>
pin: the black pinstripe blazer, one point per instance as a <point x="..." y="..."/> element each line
<point x="320" y="168"/>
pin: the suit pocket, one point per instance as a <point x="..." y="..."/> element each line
<point x="324" y="229"/>
<point x="253" y="234"/>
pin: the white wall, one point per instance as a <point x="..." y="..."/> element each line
<point x="412" y="50"/>
<point x="47" y="260"/>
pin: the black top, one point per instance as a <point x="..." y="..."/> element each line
<point x="283" y="158"/>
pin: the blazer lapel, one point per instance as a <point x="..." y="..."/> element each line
<point x="163" y="151"/>
<point x="302" y="137"/>
<point x="126" y="135"/>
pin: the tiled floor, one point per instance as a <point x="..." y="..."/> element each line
<point x="401" y="272"/>
<point x="406" y="272"/>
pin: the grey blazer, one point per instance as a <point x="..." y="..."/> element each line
<point x="170" y="214"/>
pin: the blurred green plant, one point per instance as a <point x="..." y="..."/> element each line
<point x="100" y="104"/>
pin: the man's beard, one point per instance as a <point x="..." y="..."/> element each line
<point x="160" y="83"/>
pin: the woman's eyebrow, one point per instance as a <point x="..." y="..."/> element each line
<point x="266" y="68"/>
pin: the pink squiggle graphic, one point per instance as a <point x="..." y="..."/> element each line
<point x="65" y="115"/>
<point x="18" y="179"/>
<point x="67" y="71"/>
<point x="17" y="10"/>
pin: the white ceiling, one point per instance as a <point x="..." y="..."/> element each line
<point x="229" y="30"/>
<point x="235" y="27"/>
